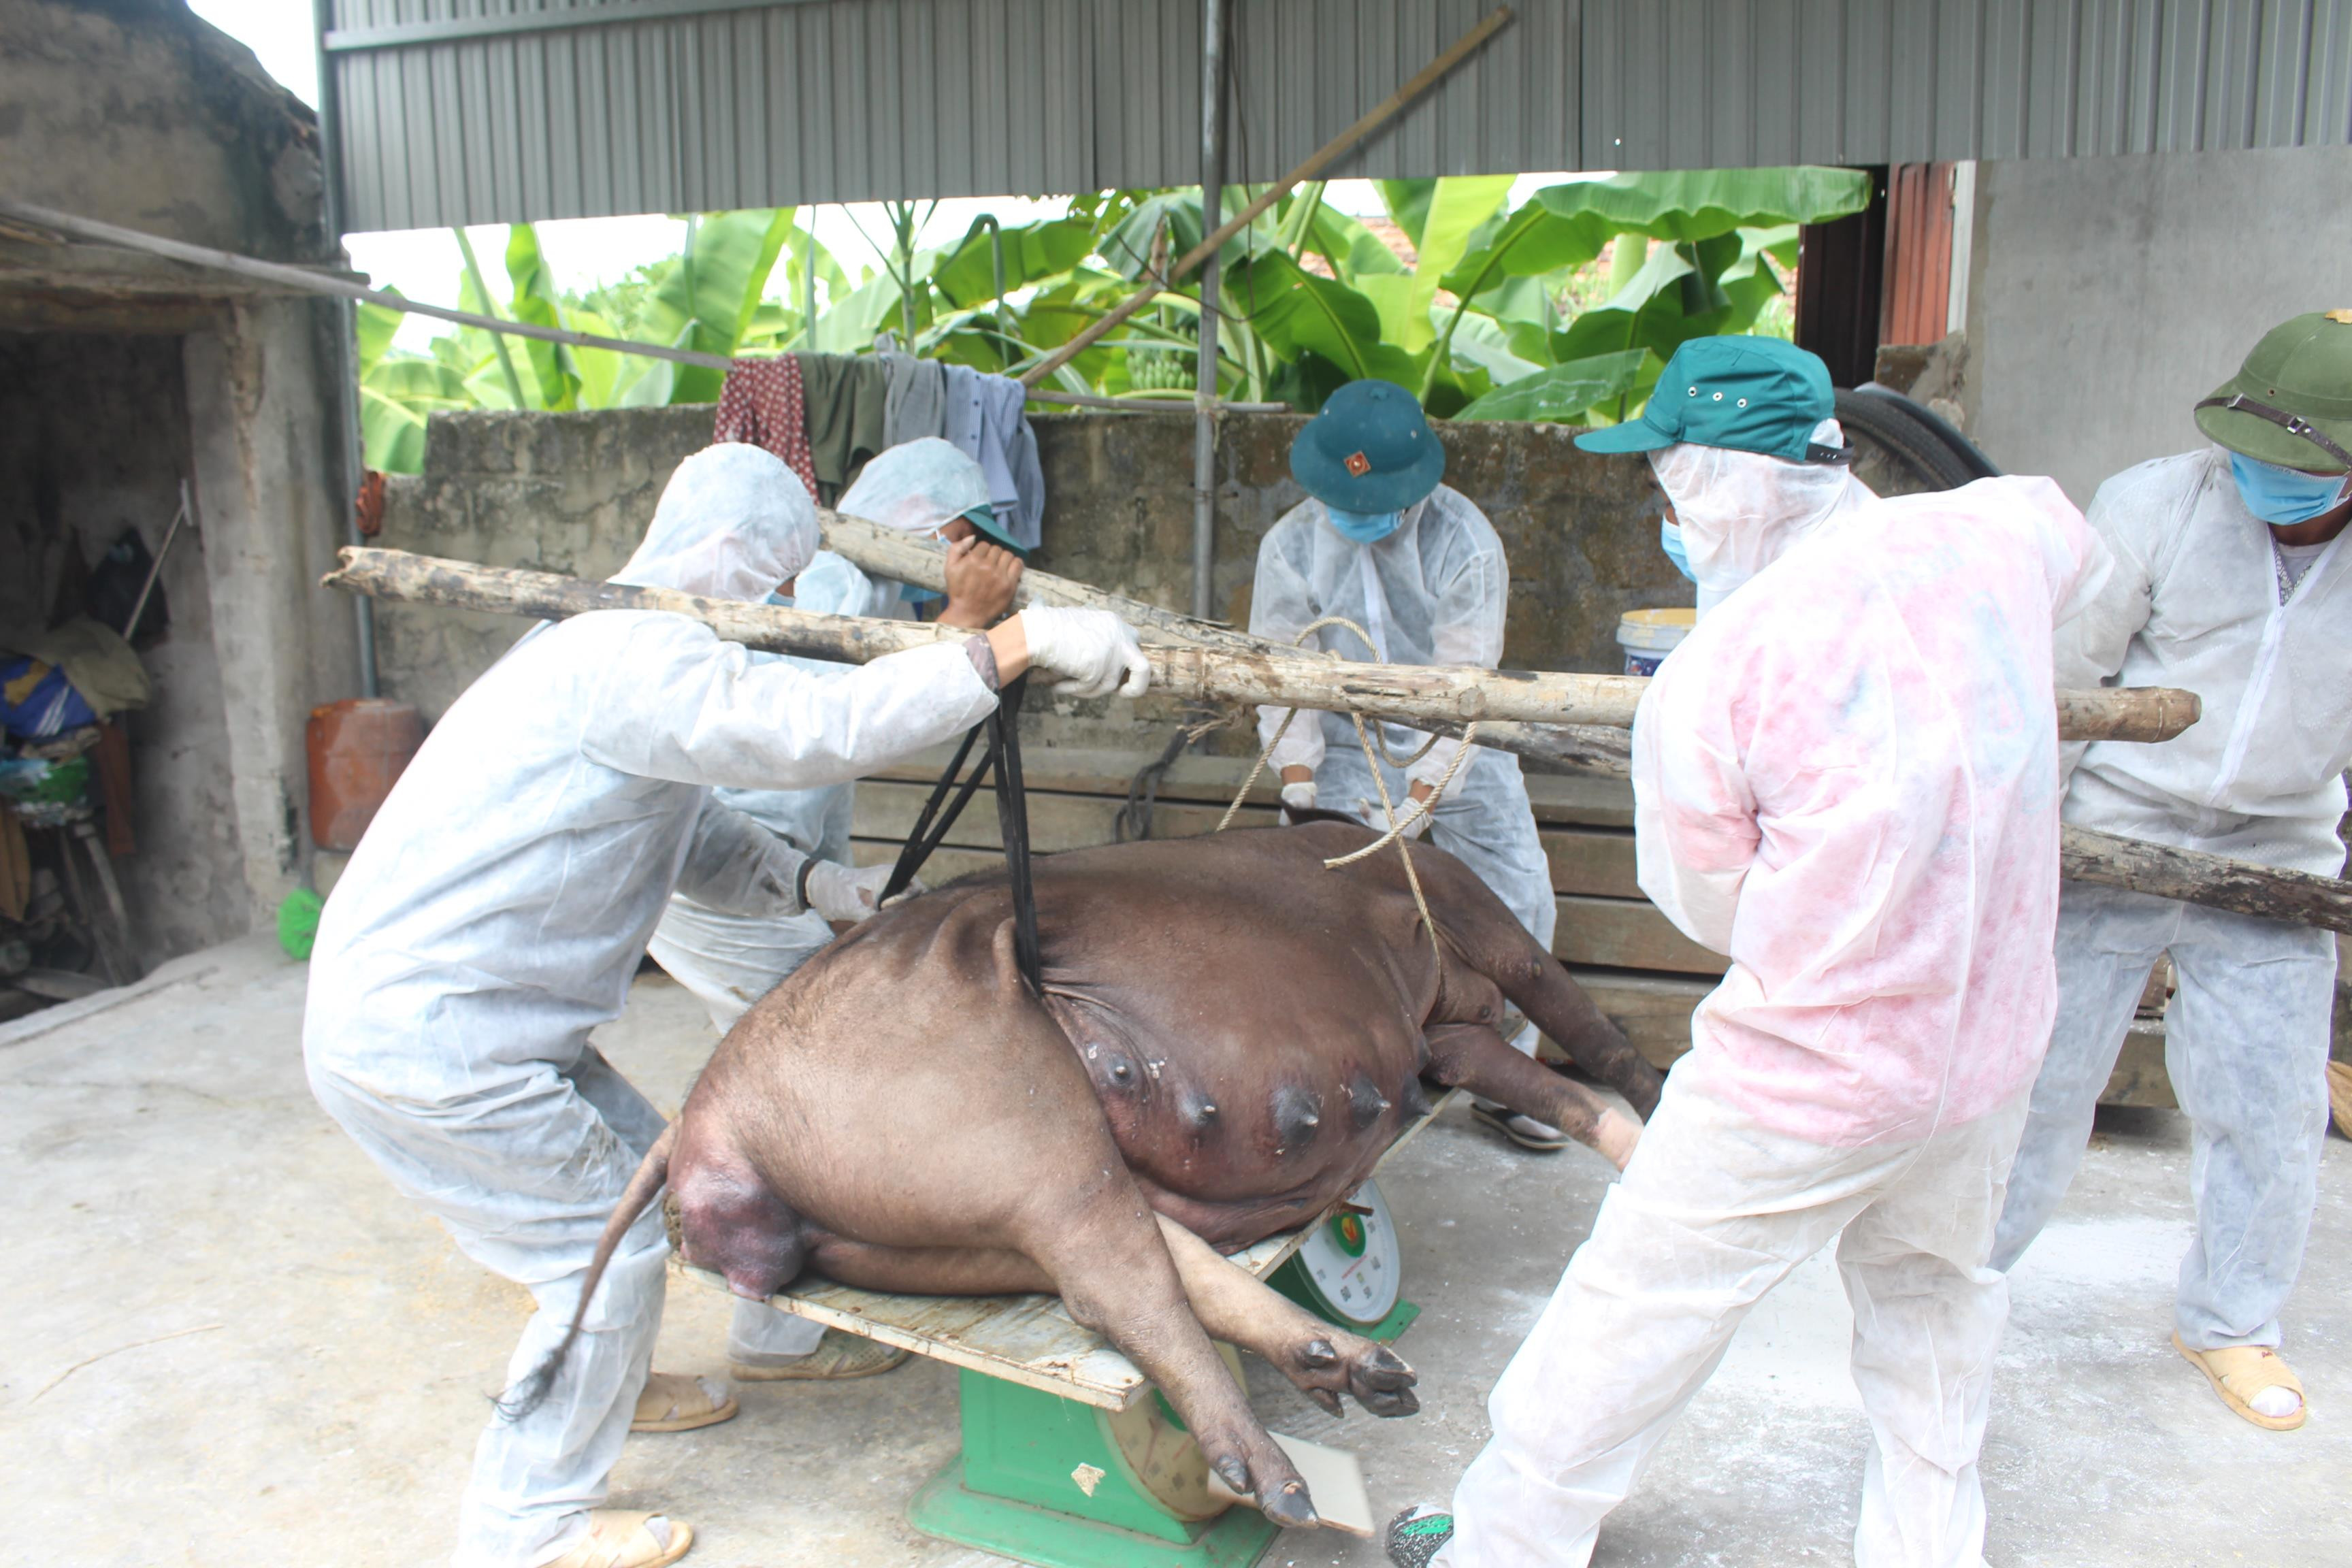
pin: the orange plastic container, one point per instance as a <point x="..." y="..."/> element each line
<point x="359" y="748"/>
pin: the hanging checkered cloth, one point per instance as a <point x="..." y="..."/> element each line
<point x="762" y="405"/>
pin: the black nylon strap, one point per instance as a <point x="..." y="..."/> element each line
<point x="1013" y="821"/>
<point x="926" y="837"/>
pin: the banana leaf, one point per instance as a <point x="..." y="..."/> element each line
<point x="377" y="325"/>
<point x="1408" y="204"/>
<point x="1699" y="203"/>
<point x="392" y="437"/>
<point x="1295" y="311"/>
<point x="707" y="299"/>
<point x="557" y="378"/>
<point x="1458" y="206"/>
<point x="1561" y="392"/>
<point x="1033" y="252"/>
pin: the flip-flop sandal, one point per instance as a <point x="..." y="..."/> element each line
<point x="837" y="1358"/>
<point x="1524" y="1131"/>
<point x="2238" y="1373"/>
<point x="673" y="1402"/>
<point x="619" y="1539"/>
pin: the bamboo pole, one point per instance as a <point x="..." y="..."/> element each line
<point x="1330" y="152"/>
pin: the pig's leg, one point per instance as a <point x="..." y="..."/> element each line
<point x="1474" y="1057"/>
<point x="1117" y="1278"/>
<point x="1324" y="1361"/>
<point x="1487" y="938"/>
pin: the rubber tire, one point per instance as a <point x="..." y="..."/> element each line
<point x="1915" y="436"/>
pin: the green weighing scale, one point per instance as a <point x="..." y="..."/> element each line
<point x="1070" y="1457"/>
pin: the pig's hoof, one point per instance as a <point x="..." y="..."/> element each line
<point x="1324" y="1367"/>
<point x="1289" y="1505"/>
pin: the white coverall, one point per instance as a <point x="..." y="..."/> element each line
<point x="497" y="907"/>
<point x="1433" y="592"/>
<point x="2196" y="602"/>
<point x="1846" y="779"/>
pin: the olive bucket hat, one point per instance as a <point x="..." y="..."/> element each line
<point x="1370" y="450"/>
<point x="2291" y="403"/>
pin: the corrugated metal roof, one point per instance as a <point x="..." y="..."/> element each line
<point x="487" y="111"/>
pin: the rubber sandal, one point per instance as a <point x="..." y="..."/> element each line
<point x="837" y="1358"/>
<point x="2238" y="1373"/>
<point x="1524" y="1131"/>
<point x="1418" y="1534"/>
<point x="673" y="1402"/>
<point x="619" y="1539"/>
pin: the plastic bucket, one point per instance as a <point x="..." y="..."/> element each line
<point x="1648" y="636"/>
<point x="359" y="748"/>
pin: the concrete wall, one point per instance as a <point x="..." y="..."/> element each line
<point x="121" y="377"/>
<point x="2107" y="295"/>
<point x="136" y="113"/>
<point x="572" y="493"/>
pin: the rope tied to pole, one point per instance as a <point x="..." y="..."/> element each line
<point x="1371" y="740"/>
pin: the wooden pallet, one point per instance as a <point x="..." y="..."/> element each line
<point x="1644" y="973"/>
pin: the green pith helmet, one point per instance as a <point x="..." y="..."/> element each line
<point x="2291" y="403"/>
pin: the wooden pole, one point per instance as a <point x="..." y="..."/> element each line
<point x="2133" y="713"/>
<point x="1330" y="152"/>
<point x="1235" y="668"/>
<point x="1546" y="718"/>
<point x="2192" y="876"/>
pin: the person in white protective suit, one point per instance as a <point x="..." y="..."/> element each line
<point x="2232" y="581"/>
<point x="499" y="904"/>
<point x="729" y="961"/>
<point x="1382" y="544"/>
<point x="925" y="487"/>
<point x="1846" y="780"/>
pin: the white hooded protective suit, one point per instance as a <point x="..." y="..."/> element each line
<point x="2197" y="601"/>
<point x="1433" y="592"/>
<point x="499" y="905"/>
<point x="1846" y="779"/>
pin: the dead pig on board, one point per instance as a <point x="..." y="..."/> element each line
<point x="1229" y="1038"/>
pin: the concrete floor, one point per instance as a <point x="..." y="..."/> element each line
<point x="228" y="1342"/>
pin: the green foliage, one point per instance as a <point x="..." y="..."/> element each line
<point x="1564" y="307"/>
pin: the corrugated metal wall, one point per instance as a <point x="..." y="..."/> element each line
<point x="483" y="111"/>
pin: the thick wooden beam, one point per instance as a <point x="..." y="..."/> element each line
<point x="2192" y="876"/>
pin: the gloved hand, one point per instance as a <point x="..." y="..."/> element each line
<point x="1094" y="650"/>
<point x="844" y="895"/>
<point x="1296" y="798"/>
<point x="1412" y="814"/>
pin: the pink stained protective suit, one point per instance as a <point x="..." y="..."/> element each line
<point x="1848" y="783"/>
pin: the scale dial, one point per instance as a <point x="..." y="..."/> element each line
<point x="1354" y="1260"/>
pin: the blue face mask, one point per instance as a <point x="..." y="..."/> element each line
<point x="2284" y="496"/>
<point x="1670" y="540"/>
<point x="1363" y="527"/>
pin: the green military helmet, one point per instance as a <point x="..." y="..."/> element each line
<point x="2291" y="403"/>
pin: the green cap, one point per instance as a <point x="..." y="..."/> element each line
<point x="983" y="518"/>
<point x="2295" y="385"/>
<point x="1751" y="395"/>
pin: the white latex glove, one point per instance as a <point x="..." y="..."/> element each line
<point x="843" y="895"/>
<point x="1413" y="815"/>
<point x="1298" y="797"/>
<point x="1094" y="650"/>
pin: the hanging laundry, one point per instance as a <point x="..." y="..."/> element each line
<point x="762" y="406"/>
<point x="983" y="417"/>
<point x="846" y="397"/>
<point x="918" y="401"/>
